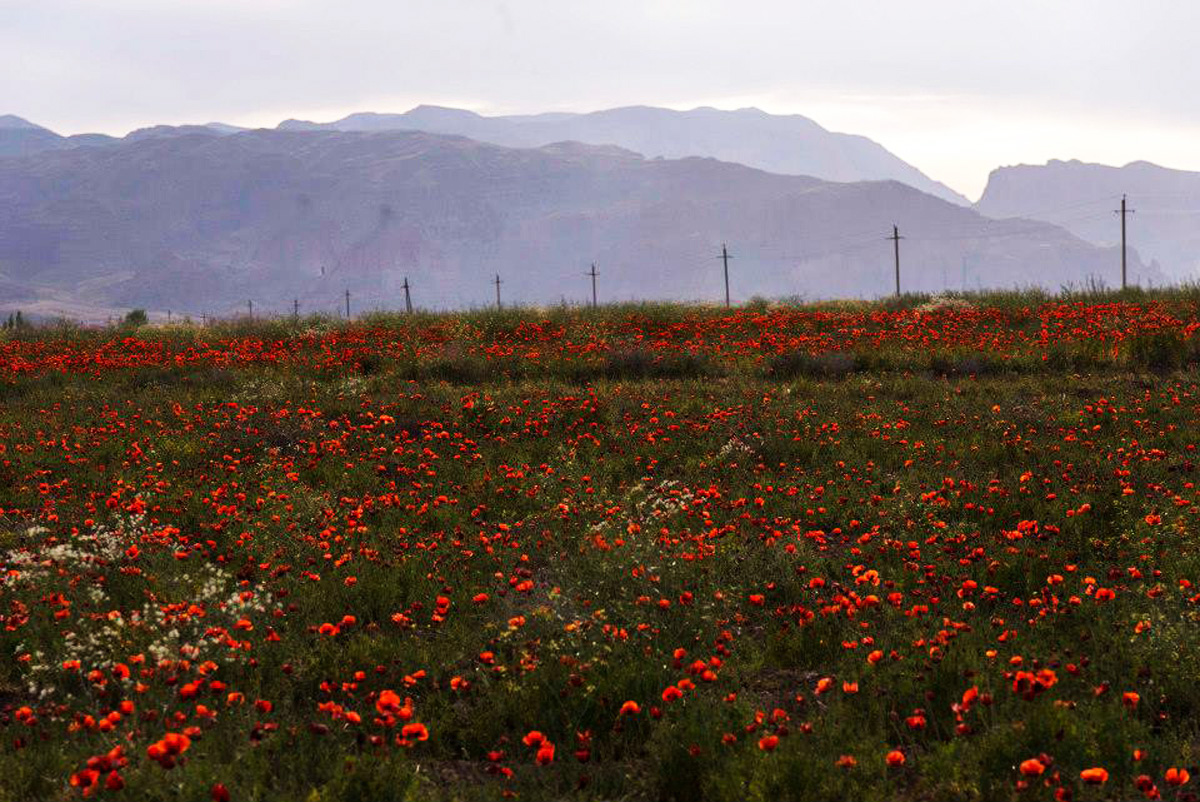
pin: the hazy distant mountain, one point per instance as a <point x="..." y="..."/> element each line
<point x="225" y="128"/>
<point x="1082" y="198"/>
<point x="77" y="140"/>
<point x="180" y="130"/>
<point x="11" y="122"/>
<point x="201" y="222"/>
<point x="788" y="144"/>
<point x="19" y="137"/>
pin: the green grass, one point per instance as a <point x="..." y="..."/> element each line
<point x="778" y="516"/>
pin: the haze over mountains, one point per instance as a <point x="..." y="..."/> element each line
<point x="200" y="220"/>
<point x="1082" y="198"/>
<point x="19" y="137"/>
<point x="787" y="144"/>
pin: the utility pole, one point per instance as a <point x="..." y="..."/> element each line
<point x="250" y="306"/>
<point x="895" y="238"/>
<point x="498" y="282"/>
<point x="168" y="317"/>
<point x="725" y="261"/>
<point x="407" y="297"/>
<point x="593" y="274"/>
<point x="347" y="304"/>
<point x="295" y="309"/>
<point x="204" y="320"/>
<point x="1123" y="211"/>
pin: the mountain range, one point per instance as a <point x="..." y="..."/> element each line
<point x="19" y="137"/>
<point x="1164" y="224"/>
<point x="786" y="144"/>
<point x="203" y="219"/>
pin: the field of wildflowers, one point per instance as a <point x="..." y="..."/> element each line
<point x="919" y="550"/>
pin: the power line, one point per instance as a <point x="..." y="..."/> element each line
<point x="1016" y="233"/>
<point x="1050" y="209"/>
<point x="873" y="241"/>
<point x="869" y="233"/>
<point x="1031" y="227"/>
<point x="984" y="229"/>
<point x="1153" y="211"/>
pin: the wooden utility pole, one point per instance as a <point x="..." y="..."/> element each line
<point x="347" y="304"/>
<point x="407" y="297"/>
<point x="498" y="282"/>
<point x="593" y="274"/>
<point x="725" y="261"/>
<point x="295" y="308"/>
<point x="1123" y="211"/>
<point x="895" y="238"/>
<point x="250" y="306"/>
<point x="168" y="317"/>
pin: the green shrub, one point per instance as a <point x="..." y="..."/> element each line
<point x="136" y="318"/>
<point x="799" y="363"/>
<point x="639" y="364"/>
<point x="1161" y="352"/>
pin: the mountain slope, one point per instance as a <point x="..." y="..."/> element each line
<point x="19" y="137"/>
<point x="1082" y="197"/>
<point x="11" y="122"/>
<point x="789" y="145"/>
<point x="201" y="223"/>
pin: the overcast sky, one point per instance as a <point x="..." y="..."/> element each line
<point x="955" y="87"/>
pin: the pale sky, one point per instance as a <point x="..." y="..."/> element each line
<point x="956" y="87"/>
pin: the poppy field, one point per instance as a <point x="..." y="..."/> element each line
<point x="922" y="550"/>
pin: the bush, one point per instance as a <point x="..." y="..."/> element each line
<point x="1161" y="352"/>
<point x="970" y="364"/>
<point x="371" y="364"/>
<point x="136" y="318"/>
<point x="638" y="364"/>
<point x="818" y="366"/>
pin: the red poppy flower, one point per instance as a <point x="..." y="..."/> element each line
<point x="1176" y="776"/>
<point x="1032" y="767"/>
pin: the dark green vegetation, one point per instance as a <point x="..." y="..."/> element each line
<point x="928" y="555"/>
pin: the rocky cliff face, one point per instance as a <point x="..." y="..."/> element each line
<point x="1082" y="198"/>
